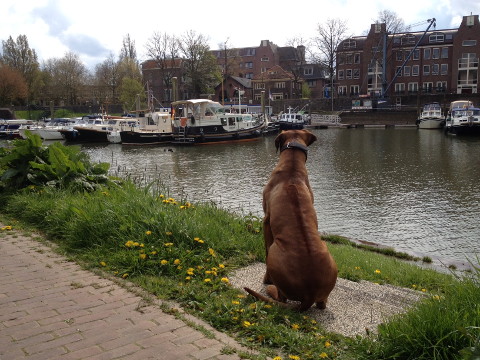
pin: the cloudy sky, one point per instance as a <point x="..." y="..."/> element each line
<point x="95" y="28"/>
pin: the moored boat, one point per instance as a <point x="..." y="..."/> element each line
<point x="154" y="128"/>
<point x="431" y="117"/>
<point x="292" y="120"/>
<point x="206" y="121"/>
<point x="9" y="129"/>
<point x="463" y="118"/>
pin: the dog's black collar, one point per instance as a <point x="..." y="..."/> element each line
<point x="295" y="145"/>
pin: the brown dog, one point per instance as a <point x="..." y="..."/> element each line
<point x="299" y="266"/>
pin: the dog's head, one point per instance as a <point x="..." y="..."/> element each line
<point x="304" y="137"/>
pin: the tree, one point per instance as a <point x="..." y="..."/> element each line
<point x="296" y="61"/>
<point x="65" y="78"/>
<point x="394" y="24"/>
<point x="164" y="50"/>
<point x="329" y="36"/>
<point x="18" y="55"/>
<point x="108" y="77"/>
<point x="128" y="48"/>
<point x="13" y="88"/>
<point x="199" y="66"/>
<point x="129" y="91"/>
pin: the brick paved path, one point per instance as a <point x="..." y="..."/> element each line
<point x="52" y="309"/>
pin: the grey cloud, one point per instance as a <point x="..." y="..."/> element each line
<point x="84" y="44"/>
<point x="53" y="17"/>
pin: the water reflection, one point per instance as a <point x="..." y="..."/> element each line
<point x="415" y="190"/>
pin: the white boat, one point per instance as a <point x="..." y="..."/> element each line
<point x="98" y="128"/>
<point x="207" y="121"/>
<point x="9" y="129"/>
<point x="292" y="120"/>
<point x="154" y="128"/>
<point x="431" y="117"/>
<point x="463" y="118"/>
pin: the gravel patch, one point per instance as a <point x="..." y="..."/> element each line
<point x="353" y="308"/>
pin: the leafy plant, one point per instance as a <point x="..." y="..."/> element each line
<point x="29" y="163"/>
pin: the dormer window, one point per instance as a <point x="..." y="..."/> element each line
<point x="436" y="38"/>
<point x="349" y="44"/>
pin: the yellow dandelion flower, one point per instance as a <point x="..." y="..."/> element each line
<point x="295" y="326"/>
<point x="424" y="290"/>
<point x="103" y="263"/>
<point x="148" y="232"/>
<point x="168" y="244"/>
<point x="253" y="306"/>
<point x="125" y="275"/>
<point x="221" y="266"/>
<point x="327" y="344"/>
<point x="169" y="233"/>
<point x="188" y="278"/>
<point x="153" y="253"/>
<point x="247" y="324"/>
<point x="436" y="297"/>
<point x="161" y="196"/>
<point x="414" y="286"/>
<point x="294" y="357"/>
<point x="378" y="271"/>
<point x="164" y="262"/>
<point x="225" y="280"/>
<point x="211" y="251"/>
<point x="142" y="245"/>
<point x="235" y="302"/>
<point x="207" y="280"/>
<point x="357" y="267"/>
<point x="323" y="355"/>
<point x="208" y="272"/>
<point x="176" y="262"/>
<point x="267" y="306"/>
<point x="190" y="271"/>
<point x="277" y="358"/>
<point x="143" y="256"/>
<point x="241" y="296"/>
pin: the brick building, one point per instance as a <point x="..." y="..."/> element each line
<point x="420" y="62"/>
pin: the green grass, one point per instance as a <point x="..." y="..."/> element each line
<point x="184" y="252"/>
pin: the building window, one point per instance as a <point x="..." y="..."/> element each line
<point x="312" y="83"/>
<point x="399" y="87"/>
<point x="249" y="65"/>
<point x="277" y="96"/>
<point x="263" y="69"/>
<point x="308" y="71"/>
<point x="265" y="58"/>
<point x="415" y="70"/>
<point x="342" y="90"/>
<point x="436" y="38"/>
<point x="340" y="60"/>
<point x="354" y="89"/>
<point x="408" y="39"/>
<point x="444" y="69"/>
<point x="280" y="85"/>
<point x="356" y="73"/>
<point x="398" y="71"/>
<point x="260" y="86"/>
<point x="406" y="71"/>
<point x="349" y="73"/>
<point x="470" y="20"/>
<point x="436" y="53"/>
<point x="349" y="59"/>
<point x="248" y="75"/>
<point x="356" y="58"/>
<point x="426" y="69"/>
<point x="441" y="86"/>
<point x="416" y="54"/>
<point x="469" y="43"/>
<point x="445" y="53"/>
<point x="250" y="52"/>
<point x="349" y="44"/>
<point x="340" y="74"/>
<point x="399" y="55"/>
<point x="426" y="53"/>
<point x="427" y="87"/>
<point x="435" y="69"/>
<point x="412" y="87"/>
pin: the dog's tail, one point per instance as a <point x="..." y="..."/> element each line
<point x="265" y="298"/>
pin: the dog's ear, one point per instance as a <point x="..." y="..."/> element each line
<point x="309" y="137"/>
<point x="279" y="140"/>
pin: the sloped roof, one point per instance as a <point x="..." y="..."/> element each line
<point x="274" y="73"/>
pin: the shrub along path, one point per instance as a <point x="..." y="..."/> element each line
<point x="52" y="309"/>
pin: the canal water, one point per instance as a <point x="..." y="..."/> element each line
<point x="413" y="190"/>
